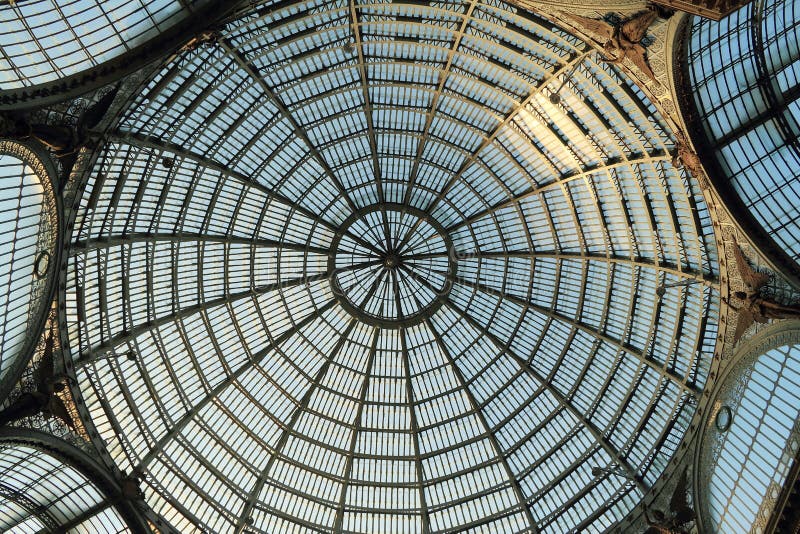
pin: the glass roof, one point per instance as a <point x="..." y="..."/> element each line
<point x="398" y="271"/>
<point x="24" y="253"/>
<point x="43" y="40"/>
<point x="754" y="456"/>
<point x="745" y="73"/>
<point x="41" y="493"/>
<point x="353" y="267"/>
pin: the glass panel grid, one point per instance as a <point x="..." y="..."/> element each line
<point x="40" y="492"/>
<point x="264" y="397"/>
<point x="744" y="73"/>
<point x="43" y="40"/>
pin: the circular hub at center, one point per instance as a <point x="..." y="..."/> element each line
<point x="391" y="265"/>
<point x="391" y="261"/>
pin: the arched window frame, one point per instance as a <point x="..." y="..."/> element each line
<point x="773" y="104"/>
<point x="101" y="480"/>
<point x="726" y="394"/>
<point x="49" y="243"/>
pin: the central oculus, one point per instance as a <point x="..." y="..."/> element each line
<point x="391" y="265"/>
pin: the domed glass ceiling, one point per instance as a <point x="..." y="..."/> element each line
<point x="349" y="268"/>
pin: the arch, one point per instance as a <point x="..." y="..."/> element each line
<point x="751" y="433"/>
<point x="741" y="82"/>
<point x="30" y="237"/>
<point x="54" y="51"/>
<point x="48" y="485"/>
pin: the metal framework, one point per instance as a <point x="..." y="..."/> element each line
<point x="347" y="267"/>
<point x="741" y="77"/>
<point x="49" y="486"/>
<point x="401" y="275"/>
<point x="29" y="256"/>
<point x="51" y="51"/>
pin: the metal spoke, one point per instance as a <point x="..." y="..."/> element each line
<point x="679" y="381"/>
<point x="284" y="438"/>
<point x="488" y="433"/>
<point x="105" y="348"/>
<point x="222" y="386"/>
<point x="397" y="299"/>
<point x="426" y="528"/>
<point x="431" y="113"/>
<point x="186" y="237"/>
<point x="490" y="137"/>
<point x="298" y="129"/>
<point x="705" y="278"/>
<point x="373" y="143"/>
<point x="146" y="141"/>
<point x="655" y="157"/>
<point x="559" y="397"/>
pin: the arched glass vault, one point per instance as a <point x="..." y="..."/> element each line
<point x="743" y="76"/>
<point x="29" y="254"/>
<point x="48" y="486"/>
<point x="352" y="267"/>
<point x="750" y="443"/>
<point x="54" y="51"/>
<point x="44" y="40"/>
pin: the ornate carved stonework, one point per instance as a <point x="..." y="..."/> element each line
<point x="712" y="9"/>
<point x="686" y="157"/>
<point x="774" y="290"/>
<point x="620" y="42"/>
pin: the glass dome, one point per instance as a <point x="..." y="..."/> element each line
<point x="354" y="267"/>
<point x="753" y="459"/>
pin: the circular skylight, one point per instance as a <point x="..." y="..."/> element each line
<point x="392" y="265"/>
<point x="349" y="268"/>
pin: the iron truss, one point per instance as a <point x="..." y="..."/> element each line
<point x="348" y="267"/>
